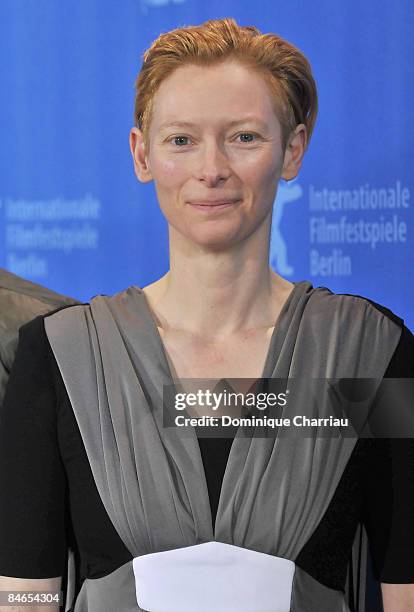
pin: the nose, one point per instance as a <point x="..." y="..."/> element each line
<point x="213" y="165"/>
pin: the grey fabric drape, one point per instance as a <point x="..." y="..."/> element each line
<point x="151" y="479"/>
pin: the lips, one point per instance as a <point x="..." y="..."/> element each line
<point x="212" y="203"/>
<point x="215" y="207"/>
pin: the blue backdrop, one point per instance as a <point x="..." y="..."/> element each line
<point x="72" y="214"/>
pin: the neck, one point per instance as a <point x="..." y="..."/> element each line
<point x="218" y="294"/>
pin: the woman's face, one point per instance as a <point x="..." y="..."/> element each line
<point x="214" y="138"/>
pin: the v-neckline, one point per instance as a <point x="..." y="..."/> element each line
<point x="266" y="373"/>
<point x="163" y="349"/>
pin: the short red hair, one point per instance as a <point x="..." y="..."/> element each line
<point x="285" y="68"/>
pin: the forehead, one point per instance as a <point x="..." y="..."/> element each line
<point x="215" y="94"/>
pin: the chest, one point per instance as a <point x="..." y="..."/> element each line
<point x="243" y="356"/>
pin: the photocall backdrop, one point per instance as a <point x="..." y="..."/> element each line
<point x="74" y="217"/>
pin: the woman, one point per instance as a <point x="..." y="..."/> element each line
<point x="163" y="520"/>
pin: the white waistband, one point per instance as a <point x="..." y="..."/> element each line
<point x="213" y="577"/>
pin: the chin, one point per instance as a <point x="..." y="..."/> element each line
<point x="212" y="241"/>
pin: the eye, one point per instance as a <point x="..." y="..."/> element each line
<point x="246" y="136"/>
<point x="180" y="140"/>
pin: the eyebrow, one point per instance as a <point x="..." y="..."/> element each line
<point x="188" y="124"/>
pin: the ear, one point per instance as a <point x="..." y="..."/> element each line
<point x="139" y="155"/>
<point x="294" y="152"/>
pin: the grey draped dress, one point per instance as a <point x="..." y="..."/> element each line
<point x="150" y="478"/>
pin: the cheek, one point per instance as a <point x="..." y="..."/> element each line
<point x="259" y="169"/>
<point x="261" y="177"/>
<point x="168" y="167"/>
<point x="167" y="172"/>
